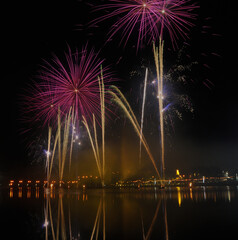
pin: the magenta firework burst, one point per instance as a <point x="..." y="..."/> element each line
<point x="72" y="83"/>
<point x="148" y="18"/>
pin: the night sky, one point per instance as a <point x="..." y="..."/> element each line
<point x="34" y="30"/>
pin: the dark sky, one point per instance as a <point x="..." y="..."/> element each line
<point x="33" y="30"/>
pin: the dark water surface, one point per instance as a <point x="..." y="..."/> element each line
<point x="176" y="213"/>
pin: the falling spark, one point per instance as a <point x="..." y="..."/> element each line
<point x="72" y="140"/>
<point x="65" y="143"/>
<point x="65" y="84"/>
<point x="94" y="146"/>
<point x="102" y="100"/>
<point x="148" y="18"/>
<point x="143" y="108"/>
<point x="48" y="156"/>
<point x="130" y="114"/>
<point x="158" y="56"/>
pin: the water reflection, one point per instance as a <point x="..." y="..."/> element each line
<point x="28" y="192"/>
<point x="58" y="221"/>
<point x="58" y="224"/>
<point x="20" y="192"/>
<point x="37" y="192"/>
<point x="11" y="193"/>
<point x="118" y="214"/>
<point x="179" y="197"/>
<point x="194" y="193"/>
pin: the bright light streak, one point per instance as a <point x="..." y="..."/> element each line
<point x="143" y="108"/>
<point x="46" y="223"/>
<point x="47" y="153"/>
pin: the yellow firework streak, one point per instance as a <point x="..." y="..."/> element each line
<point x="130" y="114"/>
<point x="158" y="56"/>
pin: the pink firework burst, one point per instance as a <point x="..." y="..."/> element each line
<point x="72" y="83"/>
<point x="148" y="18"/>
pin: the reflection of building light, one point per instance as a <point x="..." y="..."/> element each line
<point x="11" y="193"/>
<point x="179" y="197"/>
<point x="20" y="192"/>
<point x="190" y="184"/>
<point x="37" y="192"/>
<point x="204" y="193"/>
<point x="228" y="193"/>
<point x="28" y="194"/>
<point x="191" y="194"/>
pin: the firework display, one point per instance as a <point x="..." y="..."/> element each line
<point x="75" y="89"/>
<point x="118" y="120"/>
<point x="148" y="19"/>
<point x="72" y="83"/>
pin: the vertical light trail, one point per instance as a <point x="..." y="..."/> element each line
<point x="96" y="139"/>
<point x="97" y="220"/>
<point x="102" y="99"/>
<point x="46" y="218"/>
<point x="94" y="145"/>
<point x="148" y="235"/>
<point x="72" y="138"/>
<point x="53" y="154"/>
<point x="104" y="215"/>
<point x="65" y="142"/>
<point x="129" y="113"/>
<point x="143" y="108"/>
<point x="51" y="220"/>
<point x="59" y="144"/>
<point x="158" y="56"/>
<point x="48" y="157"/>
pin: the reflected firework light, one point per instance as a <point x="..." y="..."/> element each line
<point x="148" y="19"/>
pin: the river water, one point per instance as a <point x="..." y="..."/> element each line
<point x="173" y="213"/>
